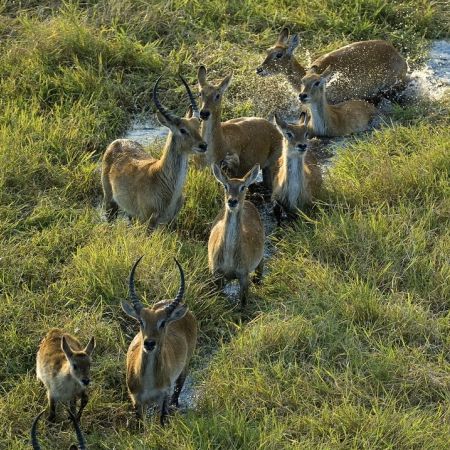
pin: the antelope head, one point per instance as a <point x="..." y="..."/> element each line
<point x="153" y="321"/>
<point x="185" y="129"/>
<point x="235" y="188"/>
<point x="279" y="57"/>
<point x="80" y="361"/>
<point x="295" y="135"/>
<point x="211" y="94"/>
<point x="313" y="85"/>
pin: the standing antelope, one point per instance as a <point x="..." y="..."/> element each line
<point x="298" y="178"/>
<point x="341" y="119"/>
<point x="148" y="188"/>
<point x="80" y="438"/>
<point x="240" y="143"/>
<point x="236" y="242"/>
<point x="64" y="366"/>
<point x="159" y="355"/>
<point x="365" y="69"/>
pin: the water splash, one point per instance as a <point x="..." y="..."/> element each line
<point x="432" y="80"/>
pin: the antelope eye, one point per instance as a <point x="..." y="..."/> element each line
<point x="241" y="189"/>
<point x="289" y="134"/>
<point x="141" y="323"/>
<point x="278" y="55"/>
<point x="183" y="131"/>
<point x="217" y="96"/>
<point x="317" y="83"/>
<point x="162" y="324"/>
<point x="75" y="367"/>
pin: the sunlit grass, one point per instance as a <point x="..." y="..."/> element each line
<point x="346" y="343"/>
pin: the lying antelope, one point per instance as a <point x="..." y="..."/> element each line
<point x="63" y="366"/>
<point x="365" y="69"/>
<point x="341" y="119"/>
<point x="299" y="177"/>
<point x="159" y="355"/>
<point x="80" y="438"/>
<point x="236" y="242"/>
<point x="148" y="188"/>
<point x="238" y="143"/>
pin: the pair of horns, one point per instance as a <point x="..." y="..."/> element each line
<point x="34" y="438"/>
<point x="136" y="302"/>
<point x="167" y="114"/>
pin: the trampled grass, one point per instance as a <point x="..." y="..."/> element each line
<point x="346" y="344"/>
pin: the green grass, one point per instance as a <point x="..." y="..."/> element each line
<point x="346" y="345"/>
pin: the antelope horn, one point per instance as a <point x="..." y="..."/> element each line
<point x="168" y="115"/>
<point x="137" y="305"/>
<point x="194" y="105"/>
<point x="34" y="439"/>
<point x="80" y="438"/>
<point x="171" y="307"/>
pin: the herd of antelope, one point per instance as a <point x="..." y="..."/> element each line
<point x="151" y="190"/>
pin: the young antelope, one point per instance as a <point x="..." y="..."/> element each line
<point x="236" y="241"/>
<point x="341" y="119"/>
<point x="63" y="366"/>
<point x="299" y="177"/>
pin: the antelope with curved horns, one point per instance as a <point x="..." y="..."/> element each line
<point x="63" y="366"/>
<point x="341" y="119"/>
<point x="236" y="241"/>
<point x="148" y="188"/>
<point x="238" y="143"/>
<point x="80" y="438"/>
<point x="299" y="177"/>
<point x="364" y="69"/>
<point x="159" y="355"/>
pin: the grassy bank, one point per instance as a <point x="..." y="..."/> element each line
<point x="346" y="345"/>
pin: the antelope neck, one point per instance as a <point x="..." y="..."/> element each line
<point x="319" y="115"/>
<point x="212" y="133"/>
<point x="173" y="162"/>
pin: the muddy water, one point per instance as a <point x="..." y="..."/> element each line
<point x="431" y="81"/>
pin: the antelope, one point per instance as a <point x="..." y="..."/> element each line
<point x="159" y="355"/>
<point x="341" y="119"/>
<point x="148" y="188"/>
<point x="236" y="241"/>
<point x="365" y="69"/>
<point x="63" y="366"/>
<point x="80" y="438"/>
<point x="299" y="177"/>
<point x="238" y="143"/>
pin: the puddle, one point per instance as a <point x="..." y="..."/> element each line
<point x="146" y="132"/>
<point x="432" y="80"/>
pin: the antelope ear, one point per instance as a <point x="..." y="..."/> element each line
<point x="283" y="36"/>
<point x="66" y="348"/>
<point x="201" y="75"/>
<point x="189" y="112"/>
<point x="302" y="118"/>
<point x="178" y="313"/>
<point x="326" y="74"/>
<point x="251" y="176"/>
<point x="293" y="44"/>
<point x="307" y="119"/>
<point x="90" y="347"/>
<point x="129" y="310"/>
<point x="225" y="83"/>
<point x="280" y="123"/>
<point x="220" y="176"/>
